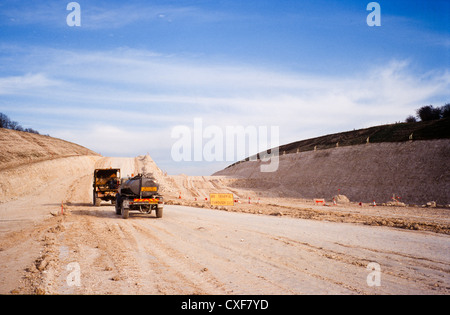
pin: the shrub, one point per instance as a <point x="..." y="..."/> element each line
<point x="427" y="113"/>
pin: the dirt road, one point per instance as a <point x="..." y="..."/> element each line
<point x="90" y="250"/>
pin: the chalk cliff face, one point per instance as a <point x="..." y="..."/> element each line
<point x="417" y="171"/>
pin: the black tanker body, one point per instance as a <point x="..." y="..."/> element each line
<point x="140" y="186"/>
<point x="139" y="193"/>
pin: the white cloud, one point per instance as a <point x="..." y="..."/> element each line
<point x="129" y="100"/>
<point x="25" y="83"/>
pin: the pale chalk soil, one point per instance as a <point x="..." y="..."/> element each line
<point x="280" y="246"/>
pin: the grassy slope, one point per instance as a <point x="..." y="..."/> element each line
<point x="400" y="132"/>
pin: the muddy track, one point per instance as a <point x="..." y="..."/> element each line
<point x="91" y="250"/>
<point x="199" y="251"/>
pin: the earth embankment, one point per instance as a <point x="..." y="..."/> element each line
<point x="21" y="148"/>
<point x="29" y="163"/>
<point x="415" y="171"/>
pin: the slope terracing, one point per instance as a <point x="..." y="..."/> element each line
<point x="415" y="171"/>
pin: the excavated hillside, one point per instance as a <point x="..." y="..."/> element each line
<point x="19" y="148"/>
<point x="28" y="162"/>
<point x="417" y="171"/>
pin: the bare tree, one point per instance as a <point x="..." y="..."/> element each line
<point x="4" y="121"/>
<point x="7" y="123"/>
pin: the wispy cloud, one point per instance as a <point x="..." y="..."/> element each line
<point x="103" y="14"/>
<point x="123" y="96"/>
<point x="25" y="84"/>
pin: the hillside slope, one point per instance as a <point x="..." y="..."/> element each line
<point x="410" y="160"/>
<point x="399" y="132"/>
<point x="17" y="148"/>
<point x="29" y="162"/>
<point x="417" y="171"/>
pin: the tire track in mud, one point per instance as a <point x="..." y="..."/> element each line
<point x="289" y="261"/>
<point x="193" y="254"/>
<point x="42" y="259"/>
<point x="234" y="264"/>
<point x="177" y="273"/>
<point x="399" y="257"/>
<point x="180" y="252"/>
<point x="397" y="267"/>
<point x="137" y="259"/>
<point x="97" y="246"/>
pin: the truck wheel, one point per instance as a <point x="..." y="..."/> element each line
<point x="96" y="201"/>
<point x="125" y="212"/>
<point x="118" y="208"/>
<point x="118" y="205"/>
<point x="159" y="212"/>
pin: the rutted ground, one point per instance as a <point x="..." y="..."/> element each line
<point x="199" y="251"/>
<point x="206" y="251"/>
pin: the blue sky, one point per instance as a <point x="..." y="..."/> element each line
<point x="119" y="83"/>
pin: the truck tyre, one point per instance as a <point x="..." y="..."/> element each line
<point x="159" y="212"/>
<point x="118" y="205"/>
<point x="96" y="201"/>
<point x="125" y="212"/>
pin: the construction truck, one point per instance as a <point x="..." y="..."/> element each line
<point x="139" y="193"/>
<point x="106" y="184"/>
